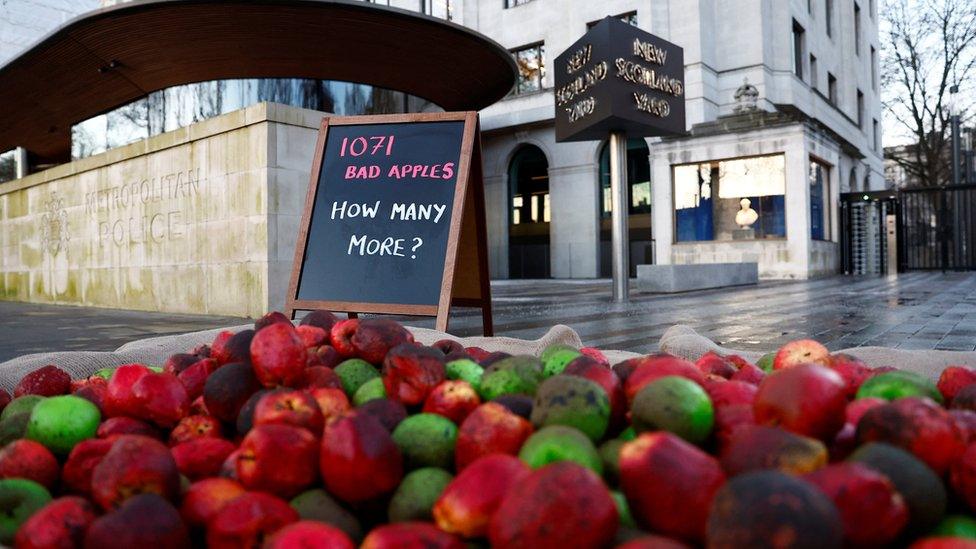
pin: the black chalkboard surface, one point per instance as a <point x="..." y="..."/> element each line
<point x="383" y="216"/>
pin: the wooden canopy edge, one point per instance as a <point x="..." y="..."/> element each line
<point x="115" y="55"/>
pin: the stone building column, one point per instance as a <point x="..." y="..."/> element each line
<point x="496" y="219"/>
<point x="574" y="230"/>
<point x="662" y="208"/>
<point x="797" y="208"/>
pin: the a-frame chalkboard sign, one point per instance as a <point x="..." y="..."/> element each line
<point x="394" y="219"/>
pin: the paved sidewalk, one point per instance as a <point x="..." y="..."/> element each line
<point x="912" y="311"/>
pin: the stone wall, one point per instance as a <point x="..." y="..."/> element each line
<point x="198" y="220"/>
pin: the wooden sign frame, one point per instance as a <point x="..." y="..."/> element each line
<point x="465" y="282"/>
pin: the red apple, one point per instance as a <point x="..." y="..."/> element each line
<point x="28" y="459"/>
<point x="918" y="425"/>
<point x="76" y="475"/>
<point x="375" y="337"/>
<point x="134" y="465"/>
<point x="358" y="459"/>
<point x="660" y="474"/>
<point x="410" y="535"/>
<point x="60" y="523"/>
<point x="280" y="459"/>
<point x="248" y="519"/>
<point x="312" y="336"/>
<point x="118" y="399"/>
<point x="851" y="370"/>
<point x="278" y="355"/>
<point x="453" y="400"/>
<point x="122" y="425"/>
<point x="410" y="373"/>
<point x="332" y="402"/>
<point x="713" y="363"/>
<point x="872" y="511"/>
<point x="341" y="336"/>
<point x="161" y="399"/>
<point x="201" y="457"/>
<point x="807" y="399"/>
<point x="194" y="377"/>
<point x="954" y="379"/>
<point x="194" y="427"/>
<point x="490" y="429"/>
<point x="309" y="534"/>
<point x="563" y="493"/>
<point x="466" y="505"/>
<point x="801" y="351"/>
<point x="297" y="408"/>
<point x="205" y="498"/>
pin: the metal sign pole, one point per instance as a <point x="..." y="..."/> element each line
<point x="618" y="222"/>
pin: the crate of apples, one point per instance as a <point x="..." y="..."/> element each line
<point x="345" y="433"/>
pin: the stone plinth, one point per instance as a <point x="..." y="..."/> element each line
<point x="199" y="220"/>
<point x="683" y="278"/>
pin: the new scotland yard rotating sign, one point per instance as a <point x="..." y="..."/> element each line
<point x="618" y="78"/>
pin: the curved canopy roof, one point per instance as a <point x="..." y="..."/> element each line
<point x="115" y="55"/>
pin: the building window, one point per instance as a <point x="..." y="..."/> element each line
<point x="874" y="69"/>
<point x="798" y="47"/>
<point x="876" y="134"/>
<point x="860" y="109"/>
<point x="871" y="9"/>
<point x="514" y="3"/>
<point x="813" y="71"/>
<point x="8" y="165"/>
<point x="630" y="18"/>
<point x="638" y="178"/>
<point x="529" y="185"/>
<point x="857" y="29"/>
<point x="819" y="200"/>
<point x="829" y="16"/>
<point x="810" y="7"/>
<point x="832" y="89"/>
<point x="709" y="196"/>
<point x="531" y="68"/>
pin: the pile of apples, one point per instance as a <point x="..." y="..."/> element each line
<point x="344" y="433"/>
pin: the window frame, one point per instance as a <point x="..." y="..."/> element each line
<point x="509" y="4"/>
<point x="857" y="29"/>
<point x="860" y="108"/>
<point x="832" y="89"/>
<point x="813" y="72"/>
<point x="828" y="220"/>
<point x="674" y="214"/>
<point x="620" y="16"/>
<point x="798" y="49"/>
<point x="541" y="45"/>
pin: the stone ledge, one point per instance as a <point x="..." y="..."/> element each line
<point x="683" y="278"/>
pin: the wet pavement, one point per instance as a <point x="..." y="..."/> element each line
<point x="911" y="311"/>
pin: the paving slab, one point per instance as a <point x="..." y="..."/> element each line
<point x="914" y="310"/>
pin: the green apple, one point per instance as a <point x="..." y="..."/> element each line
<point x="465" y="369"/>
<point x="19" y="405"/>
<point x="61" y="422"/>
<point x="19" y="499"/>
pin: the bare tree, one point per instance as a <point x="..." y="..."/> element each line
<point x="927" y="47"/>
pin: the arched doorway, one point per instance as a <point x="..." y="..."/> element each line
<point x="639" y="197"/>
<point x="528" y="214"/>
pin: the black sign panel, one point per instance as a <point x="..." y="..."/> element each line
<point x="619" y="78"/>
<point x="382" y="214"/>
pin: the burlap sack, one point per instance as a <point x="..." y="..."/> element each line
<point x="685" y="342"/>
<point x="155" y="350"/>
<point x="679" y="340"/>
